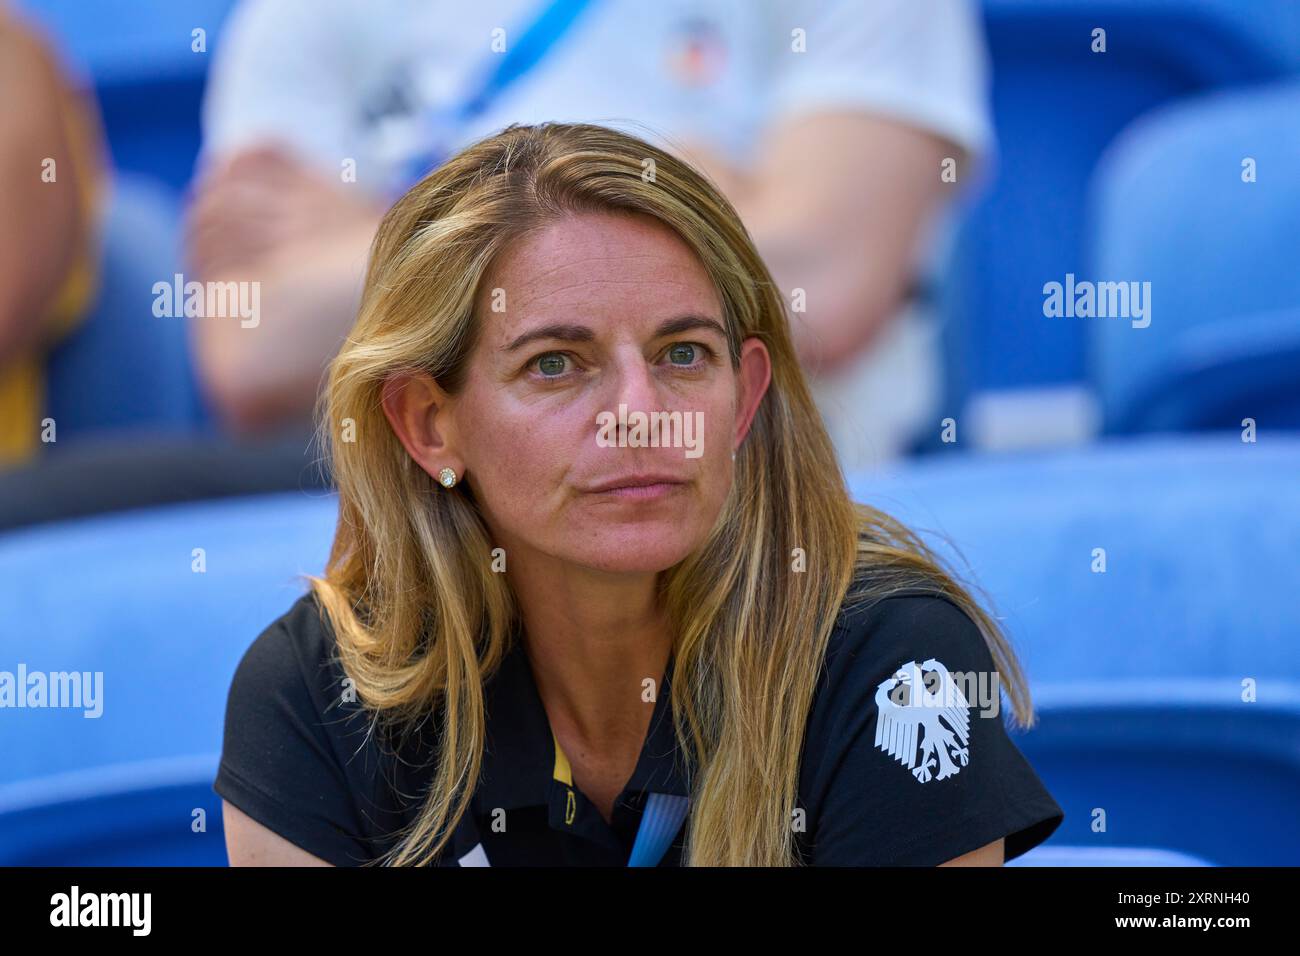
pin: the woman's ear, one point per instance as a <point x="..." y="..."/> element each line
<point x="421" y="417"/>
<point x="755" y="374"/>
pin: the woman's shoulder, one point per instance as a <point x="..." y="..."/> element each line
<point x="295" y="651"/>
<point x="907" y="759"/>
<point x="886" y="636"/>
<point x="301" y="632"/>
<point x="909" y="635"/>
<point x="885" y="625"/>
<point x="298" y="753"/>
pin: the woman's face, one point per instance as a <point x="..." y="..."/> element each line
<point x="592" y="313"/>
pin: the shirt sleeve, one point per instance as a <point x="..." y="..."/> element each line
<point x="281" y="72"/>
<point x="916" y="766"/>
<point x="920" y="61"/>
<point x="280" y="759"/>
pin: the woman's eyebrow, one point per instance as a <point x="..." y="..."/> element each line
<point x="567" y="332"/>
<point x="685" y="323"/>
<point x="563" y="332"/>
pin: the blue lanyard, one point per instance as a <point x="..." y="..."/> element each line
<point x="502" y="70"/>
<point x="660" y="821"/>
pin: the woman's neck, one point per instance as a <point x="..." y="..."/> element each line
<point x="593" y="639"/>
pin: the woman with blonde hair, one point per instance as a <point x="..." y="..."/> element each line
<point x="598" y="594"/>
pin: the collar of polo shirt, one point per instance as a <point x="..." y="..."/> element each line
<point x="524" y="765"/>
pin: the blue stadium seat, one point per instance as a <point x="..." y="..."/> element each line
<point x="124" y="368"/>
<point x="161" y="813"/>
<point x="117" y="594"/>
<point x="1200" y="533"/>
<point x="1056" y="106"/>
<point x="1048" y="854"/>
<point x="1182" y="765"/>
<point x="1171" y="208"/>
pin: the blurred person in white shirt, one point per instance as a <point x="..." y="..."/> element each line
<point x="827" y="123"/>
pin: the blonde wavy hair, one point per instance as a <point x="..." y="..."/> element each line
<point x="421" y="621"/>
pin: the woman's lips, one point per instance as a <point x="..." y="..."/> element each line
<point x="658" y="489"/>
<point x="638" y="487"/>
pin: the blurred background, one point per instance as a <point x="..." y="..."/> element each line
<point x="1125" y="488"/>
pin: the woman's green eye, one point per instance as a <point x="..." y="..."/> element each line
<point x="551" y="365"/>
<point x="682" y="354"/>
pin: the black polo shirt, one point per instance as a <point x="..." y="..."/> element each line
<point x="889" y="775"/>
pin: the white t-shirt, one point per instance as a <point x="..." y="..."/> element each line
<point x="342" y="81"/>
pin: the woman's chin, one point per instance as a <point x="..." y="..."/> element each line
<point x="640" y="555"/>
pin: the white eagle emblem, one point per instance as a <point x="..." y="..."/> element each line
<point x="905" y="703"/>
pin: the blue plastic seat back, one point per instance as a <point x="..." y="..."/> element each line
<point x="1172" y="207"/>
<point x="1056" y="106"/>
<point x="162" y="604"/>
<point x="1159" y="556"/>
<point x="159" y="813"/>
<point x="1049" y="854"/>
<point x="1202" y="767"/>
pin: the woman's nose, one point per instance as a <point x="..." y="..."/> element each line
<point x="635" y="386"/>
